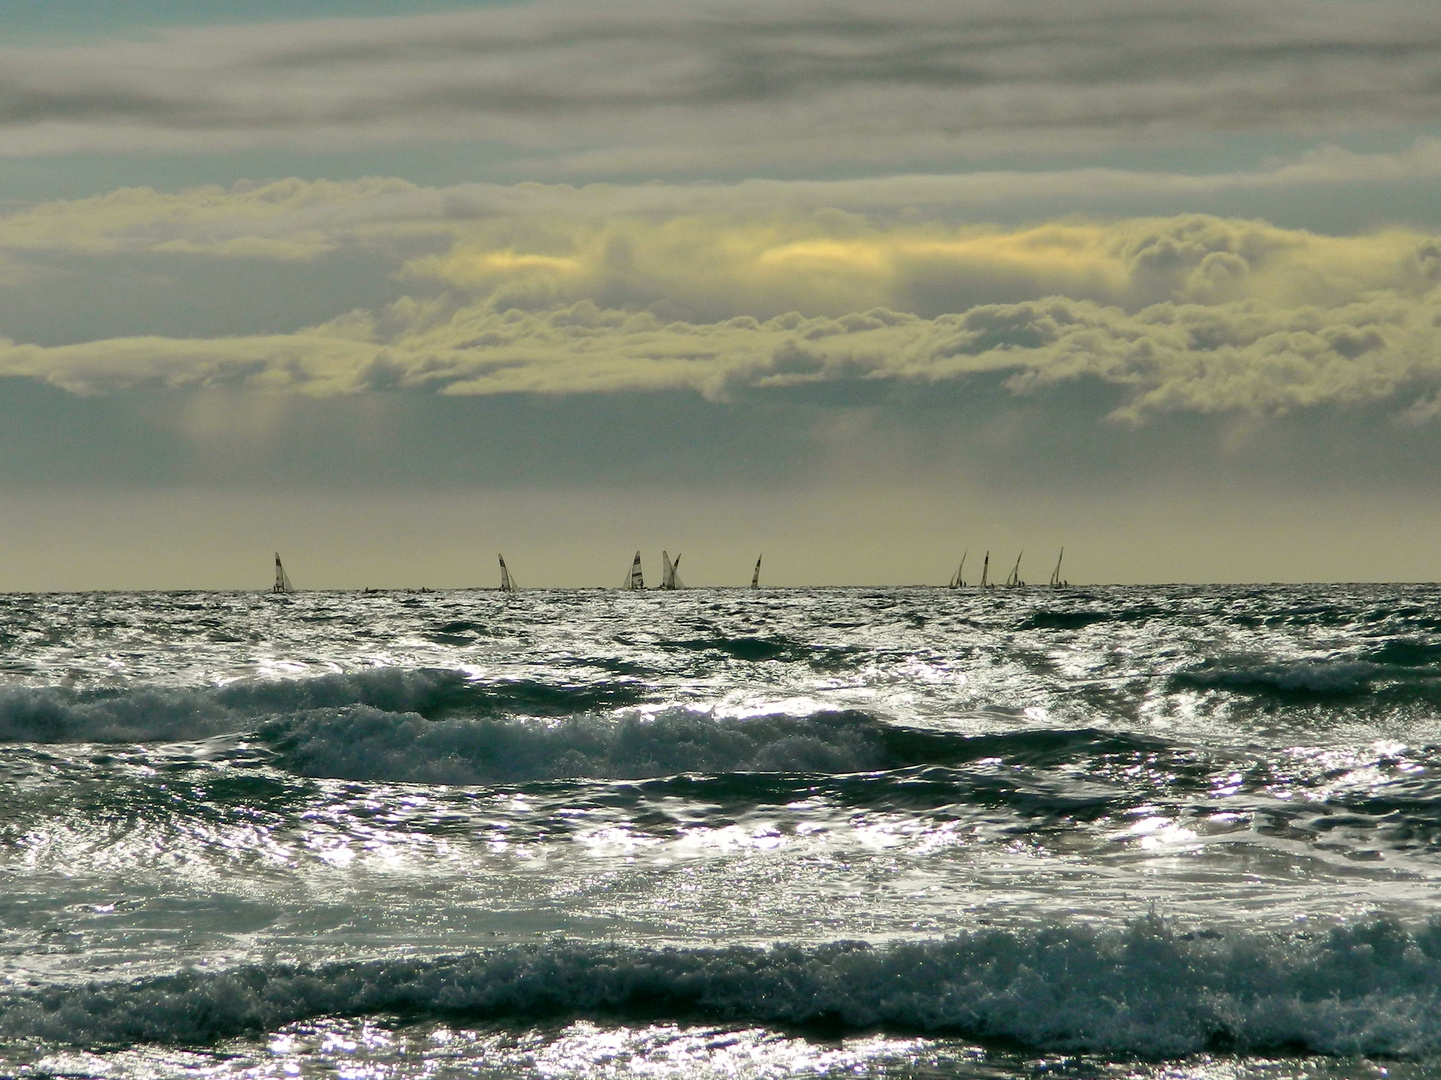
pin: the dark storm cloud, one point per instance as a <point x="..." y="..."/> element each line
<point x="688" y="85"/>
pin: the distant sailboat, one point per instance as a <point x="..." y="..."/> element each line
<point x="635" y="580"/>
<point x="958" y="581"/>
<point x="756" y="574"/>
<point x="1015" y="578"/>
<point x="985" y="571"/>
<point x="507" y="583"/>
<point x="1056" y="581"/>
<point x="668" y="576"/>
<point x="282" y="579"/>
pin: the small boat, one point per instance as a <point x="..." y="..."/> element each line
<point x="985" y="571"/>
<point x="756" y="574"/>
<point x="1056" y="581"/>
<point x="282" y="579"/>
<point x="668" y="576"/>
<point x="507" y="583"/>
<point x="957" y="581"/>
<point x="635" y="580"/>
<point x="1015" y="578"/>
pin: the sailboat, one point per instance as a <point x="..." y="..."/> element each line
<point x="668" y="578"/>
<point x="507" y="583"/>
<point x="1015" y="578"/>
<point x="756" y="574"/>
<point x="635" y="580"/>
<point x="1056" y="581"/>
<point x="282" y="579"/>
<point x="985" y="571"/>
<point x="958" y="581"/>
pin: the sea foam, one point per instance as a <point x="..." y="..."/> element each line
<point x="1145" y="990"/>
<point x="362" y="743"/>
<point x="57" y="714"/>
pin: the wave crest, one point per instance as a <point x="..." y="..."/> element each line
<point x="366" y="744"/>
<point x="146" y="714"/>
<point x="1300" y="679"/>
<point x="1143" y="990"/>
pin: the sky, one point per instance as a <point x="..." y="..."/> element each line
<point x="864" y="287"/>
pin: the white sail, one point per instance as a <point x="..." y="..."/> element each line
<point x="669" y="576"/>
<point x="985" y="571"/>
<point x="1056" y="573"/>
<point x="756" y="574"/>
<point x="635" y="580"/>
<point x="1015" y="578"/>
<point x="507" y="583"/>
<point x="959" y="579"/>
<point x="282" y="579"/>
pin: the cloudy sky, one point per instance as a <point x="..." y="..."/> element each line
<point x="861" y="286"/>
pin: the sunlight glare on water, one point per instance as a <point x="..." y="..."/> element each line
<point x="1115" y="832"/>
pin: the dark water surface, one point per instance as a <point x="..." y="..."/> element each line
<point x="1160" y="832"/>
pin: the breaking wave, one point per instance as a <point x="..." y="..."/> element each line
<point x="1145" y="990"/>
<point x="146" y="714"/>
<point x="442" y="726"/>
<point x="367" y="744"/>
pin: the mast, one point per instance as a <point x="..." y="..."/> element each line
<point x="635" y="580"/>
<point x="986" y="569"/>
<point x="282" y="580"/>
<point x="1015" y="578"/>
<point x="1056" y="573"/>
<point x="958" y="580"/>
<point x="756" y="574"/>
<point x="506" y="582"/>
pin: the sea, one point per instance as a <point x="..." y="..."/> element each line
<point x="1156" y="832"/>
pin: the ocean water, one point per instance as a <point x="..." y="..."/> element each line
<point x="1117" y="832"/>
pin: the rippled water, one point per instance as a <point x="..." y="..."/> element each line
<point x="1132" y="831"/>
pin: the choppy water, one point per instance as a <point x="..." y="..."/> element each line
<point x="1134" y="831"/>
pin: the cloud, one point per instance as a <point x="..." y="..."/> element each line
<point x="1231" y="357"/>
<point x="294" y="219"/>
<point x="826" y="262"/>
<point x="725" y="250"/>
<point x="286" y="219"/>
<point x="317" y="364"/>
<point x="653" y="86"/>
<point x="728" y="294"/>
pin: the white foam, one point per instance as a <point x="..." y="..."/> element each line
<point x="1144" y="990"/>
<point x="361" y="743"/>
<point x="374" y="725"/>
<point x="57" y="714"/>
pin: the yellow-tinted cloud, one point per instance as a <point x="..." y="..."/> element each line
<point x="307" y="363"/>
<point x="1187" y="313"/>
<point x="283" y="219"/>
<point x="833" y="263"/>
<point x="1232" y="357"/>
